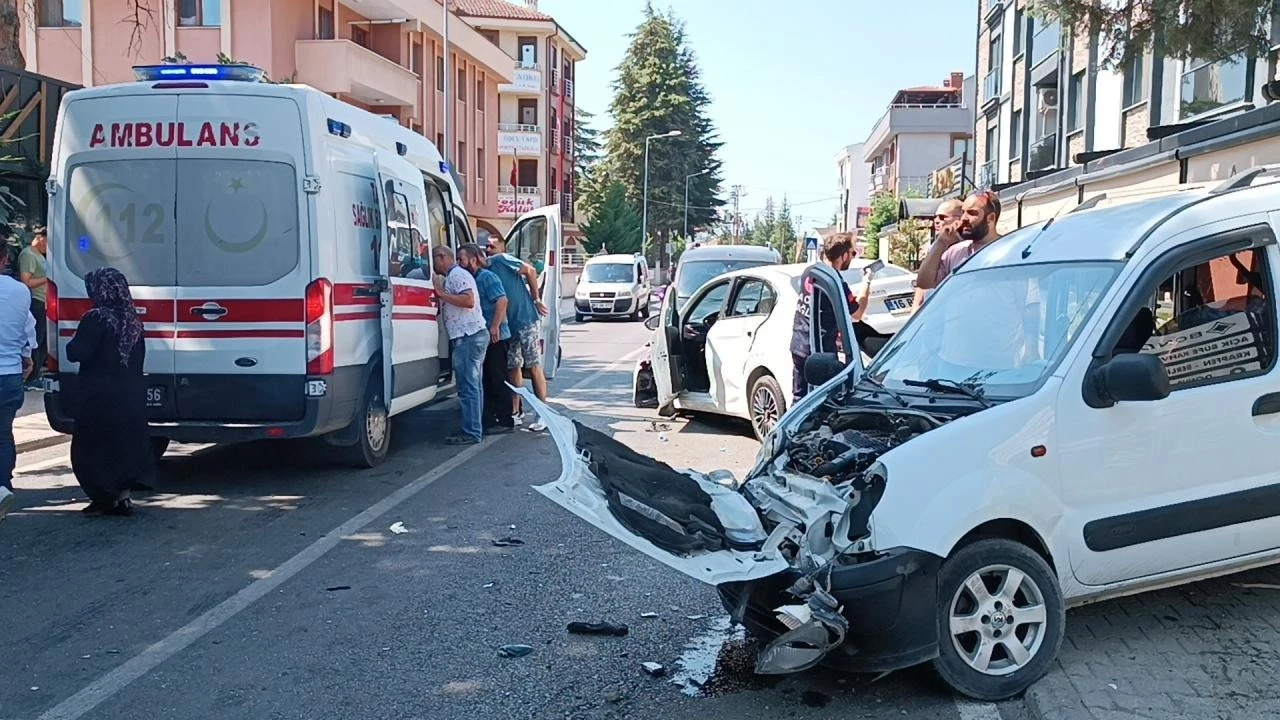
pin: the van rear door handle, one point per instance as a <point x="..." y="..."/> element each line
<point x="1268" y="404"/>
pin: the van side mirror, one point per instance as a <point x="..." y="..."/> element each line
<point x="819" y="368"/>
<point x="653" y="322"/>
<point x="1128" y="377"/>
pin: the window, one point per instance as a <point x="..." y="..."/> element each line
<point x="1075" y="102"/>
<point x="1015" y="135"/>
<point x="199" y="13"/>
<point x="237" y="221"/>
<point x="1207" y="86"/>
<point x="707" y="309"/>
<point x="439" y="74"/>
<point x="359" y="36"/>
<point x="440" y="143"/>
<point x="324" y="30"/>
<point x="415" y="58"/>
<point x="528" y="241"/>
<point x="132" y="230"/>
<point x="462" y="84"/>
<point x="527" y="173"/>
<point x="960" y="146"/>
<point x="480" y="164"/>
<point x="60" y="13"/>
<point x="461" y="231"/>
<point x="437" y="224"/>
<point x="527" y="108"/>
<point x="462" y="158"/>
<point x="991" y="84"/>
<point x="480" y="95"/>
<point x="1019" y="31"/>
<point x="528" y="51"/>
<point x="406" y="240"/>
<point x="1213" y="320"/>
<point x="755" y="297"/>
<point x="1134" y="89"/>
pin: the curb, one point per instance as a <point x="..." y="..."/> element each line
<point x="40" y="443"/>
<point x="1055" y="698"/>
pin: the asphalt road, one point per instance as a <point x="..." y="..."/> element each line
<point x="261" y="582"/>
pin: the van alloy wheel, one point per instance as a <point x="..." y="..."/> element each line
<point x="375" y="425"/>
<point x="1000" y="619"/>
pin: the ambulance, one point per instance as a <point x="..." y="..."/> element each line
<point x="278" y="246"/>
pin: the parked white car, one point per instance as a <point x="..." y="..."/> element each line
<point x="892" y="290"/>
<point x="1086" y="409"/>
<point x="613" y="286"/>
<point x="728" y="352"/>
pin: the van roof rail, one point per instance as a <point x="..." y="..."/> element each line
<point x="1245" y="179"/>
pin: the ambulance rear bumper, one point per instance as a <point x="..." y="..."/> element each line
<point x="323" y="412"/>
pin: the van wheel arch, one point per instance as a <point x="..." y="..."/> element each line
<point x="1008" y="529"/>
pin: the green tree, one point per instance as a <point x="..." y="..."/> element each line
<point x="615" y="226"/>
<point x="658" y="89"/>
<point x="884" y="211"/>
<point x="761" y="230"/>
<point x="586" y="150"/>
<point x="784" y="230"/>
<point x="1209" y="29"/>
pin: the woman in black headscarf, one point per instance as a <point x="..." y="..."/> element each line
<point x="110" y="447"/>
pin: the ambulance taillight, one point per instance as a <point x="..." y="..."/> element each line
<point x="319" y="333"/>
<point x="52" y="339"/>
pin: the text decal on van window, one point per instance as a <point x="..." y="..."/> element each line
<point x="175" y="134"/>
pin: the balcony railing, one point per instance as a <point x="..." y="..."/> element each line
<point x="1045" y="43"/>
<point x="519" y="189"/>
<point x="555" y="81"/>
<point x="987" y="174"/>
<point x="518" y="127"/>
<point x="1043" y="154"/>
<point x="521" y="66"/>
<point x="555" y="139"/>
<point x="568" y="88"/>
<point x="566" y="206"/>
<point x="568" y="145"/>
<point x="913" y="184"/>
<point x="991" y="85"/>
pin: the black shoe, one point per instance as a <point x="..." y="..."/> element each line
<point x="499" y="430"/>
<point x="95" y="507"/>
<point x="461" y="440"/>
<point x="123" y="508"/>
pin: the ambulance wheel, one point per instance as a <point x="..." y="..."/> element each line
<point x="159" y="446"/>
<point x="373" y="428"/>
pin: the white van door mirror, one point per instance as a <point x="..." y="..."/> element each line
<point x="1128" y="377"/>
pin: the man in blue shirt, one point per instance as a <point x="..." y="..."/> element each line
<point x="496" y="415"/>
<point x="17" y="340"/>
<point x="524" y="310"/>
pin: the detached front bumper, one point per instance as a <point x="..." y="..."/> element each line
<point x="890" y="603"/>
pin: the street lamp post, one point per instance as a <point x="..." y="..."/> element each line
<point x="644" y="199"/>
<point x="687" y="178"/>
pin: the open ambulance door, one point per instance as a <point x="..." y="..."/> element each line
<point x="537" y="238"/>
<point x="391" y="218"/>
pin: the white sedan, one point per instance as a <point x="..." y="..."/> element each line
<point x="892" y="292"/>
<point x="728" y="350"/>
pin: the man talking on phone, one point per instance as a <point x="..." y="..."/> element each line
<point x="946" y="229"/>
<point x="961" y="239"/>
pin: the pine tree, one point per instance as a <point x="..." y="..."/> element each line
<point x="586" y="157"/>
<point x="1209" y="29"/>
<point x="784" y="230"/>
<point x="658" y="89"/>
<point x="762" y="230"/>
<point x="615" y="226"/>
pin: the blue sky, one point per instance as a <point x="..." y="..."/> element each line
<point x="792" y="81"/>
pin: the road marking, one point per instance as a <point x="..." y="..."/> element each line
<point x="971" y="710"/>
<point x="144" y="662"/>
<point x="609" y="368"/>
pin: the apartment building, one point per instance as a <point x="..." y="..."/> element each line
<point x="535" y="109"/>
<point x="386" y="56"/>
<point x="920" y="130"/>
<point x="1046" y="104"/>
<point x="855" y="189"/>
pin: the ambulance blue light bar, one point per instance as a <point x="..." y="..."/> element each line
<point x="339" y="128"/>
<point x="239" y="73"/>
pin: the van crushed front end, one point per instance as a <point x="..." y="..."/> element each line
<point x="789" y="550"/>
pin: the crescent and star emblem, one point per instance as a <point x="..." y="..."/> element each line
<point x="235" y="186"/>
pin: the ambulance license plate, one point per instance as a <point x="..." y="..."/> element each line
<point x="155" y="396"/>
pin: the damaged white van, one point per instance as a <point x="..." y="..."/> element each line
<point x="1086" y="409"/>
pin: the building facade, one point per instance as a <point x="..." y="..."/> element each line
<point x="919" y="131"/>
<point x="855" y="189"/>
<point x="535" y="110"/>
<point x="385" y="56"/>
<point x="1046" y="104"/>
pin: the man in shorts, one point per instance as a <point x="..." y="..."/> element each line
<point x="524" y="311"/>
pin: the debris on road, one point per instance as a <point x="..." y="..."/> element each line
<point x="648" y="615"/>
<point x="694" y="617"/>
<point x="507" y="541"/>
<point x="655" y="426"/>
<point x="1257" y="586"/>
<point x="654" y="669"/>
<point x="598" y="628"/>
<point x="398" y="528"/>
<point x="514" y="651"/>
<point x="489" y="585"/>
<point x="337" y="587"/>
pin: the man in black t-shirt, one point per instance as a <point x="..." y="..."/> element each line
<point x="837" y="253"/>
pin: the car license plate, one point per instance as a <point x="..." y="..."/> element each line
<point x="601" y="306"/>
<point x="155" y="396"/>
<point x="899" y="304"/>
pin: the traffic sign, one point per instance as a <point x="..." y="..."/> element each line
<point x="811" y="243"/>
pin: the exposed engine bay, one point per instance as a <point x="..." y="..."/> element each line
<point x="840" y="443"/>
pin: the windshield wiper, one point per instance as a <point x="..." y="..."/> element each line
<point x="880" y="387"/>
<point x="951" y="386"/>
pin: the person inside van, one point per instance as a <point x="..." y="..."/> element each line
<point x="524" y="311"/>
<point x="468" y="339"/>
<point x="110" y="445"/>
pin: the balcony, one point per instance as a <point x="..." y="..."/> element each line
<point x="555" y="81"/>
<point x="555" y="140"/>
<point x="913" y="185"/>
<point x="991" y="85"/>
<point x="568" y="145"/>
<point x="903" y="119"/>
<point x="568" y="88"/>
<point x="518" y="200"/>
<point x="566" y="206"/>
<point x="516" y="139"/>
<point x="526" y="81"/>
<point x="987" y="174"/>
<point x="1043" y="154"/>
<point x="879" y="180"/>
<point x="341" y="66"/>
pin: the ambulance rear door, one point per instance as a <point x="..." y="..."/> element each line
<point x="537" y="238"/>
<point x="243" y="259"/>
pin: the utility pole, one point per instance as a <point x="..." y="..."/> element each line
<point x="736" y="195"/>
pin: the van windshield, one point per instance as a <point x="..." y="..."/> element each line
<point x="1001" y="330"/>
<point x="610" y="273"/>
<point x="198" y="222"/>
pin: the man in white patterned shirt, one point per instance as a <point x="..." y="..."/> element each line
<point x="468" y="339"/>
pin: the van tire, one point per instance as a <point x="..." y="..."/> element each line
<point x="579" y="317"/>
<point x="372" y="421"/>
<point x="644" y="309"/>
<point x="992" y="561"/>
<point x="159" y="446"/>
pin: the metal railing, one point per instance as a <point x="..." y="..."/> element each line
<point x="520" y="189"/>
<point x="518" y="127"/>
<point x="1043" y="153"/>
<point x="555" y="139"/>
<point x="522" y="66"/>
<point x="568" y="88"/>
<point x="991" y="84"/>
<point x="913" y="184"/>
<point x="566" y="206"/>
<point x="568" y="145"/>
<point x="555" y="81"/>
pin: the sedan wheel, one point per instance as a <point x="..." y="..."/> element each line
<point x="767" y="405"/>
<point x="1000" y="620"/>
